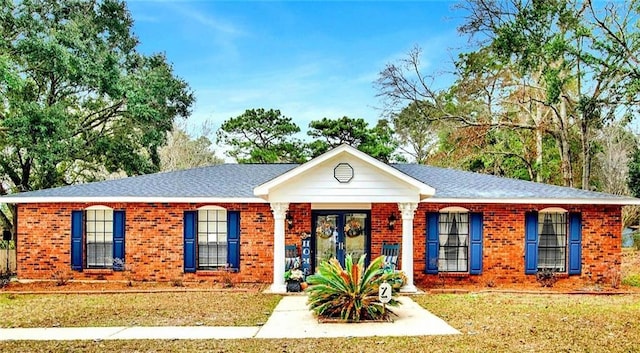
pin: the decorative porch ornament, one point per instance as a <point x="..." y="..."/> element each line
<point x="294" y="279"/>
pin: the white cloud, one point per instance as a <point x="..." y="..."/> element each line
<point x="206" y="19"/>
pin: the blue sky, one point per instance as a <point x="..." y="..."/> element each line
<point x="308" y="59"/>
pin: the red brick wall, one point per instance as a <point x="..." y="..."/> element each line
<point x="503" y="245"/>
<point x="154" y="241"/>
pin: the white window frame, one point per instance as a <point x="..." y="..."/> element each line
<point x="550" y="215"/>
<point x="461" y="262"/>
<point x="212" y="236"/>
<point x="98" y="236"/>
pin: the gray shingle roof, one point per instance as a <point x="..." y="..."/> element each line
<point x="238" y="181"/>
<point x="456" y="184"/>
<point x="222" y="180"/>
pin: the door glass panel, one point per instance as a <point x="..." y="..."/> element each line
<point x="355" y="234"/>
<point x="326" y="235"/>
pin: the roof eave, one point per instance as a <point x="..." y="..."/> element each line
<point x="546" y="201"/>
<point x="128" y="199"/>
<point x="425" y="198"/>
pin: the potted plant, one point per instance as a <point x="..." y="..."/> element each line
<point x="294" y="279"/>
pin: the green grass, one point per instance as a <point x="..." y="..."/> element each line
<point x="632" y="280"/>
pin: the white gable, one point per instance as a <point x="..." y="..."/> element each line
<point x="344" y="175"/>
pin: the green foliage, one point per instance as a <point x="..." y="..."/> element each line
<point x="634" y="173"/>
<point x="636" y="240"/>
<point x="563" y="69"/>
<point x="416" y="131"/>
<point x="377" y="142"/>
<point x="632" y="280"/>
<point x="78" y="100"/>
<point x="262" y="136"/>
<point x="351" y="294"/>
<point x="7" y="244"/>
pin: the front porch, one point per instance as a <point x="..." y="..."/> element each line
<point x="298" y="223"/>
<point x="339" y="181"/>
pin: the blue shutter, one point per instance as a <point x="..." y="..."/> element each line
<point x="575" y="243"/>
<point x="475" y="235"/>
<point x="432" y="243"/>
<point x="76" y="240"/>
<point x="118" y="238"/>
<point x="190" y="219"/>
<point x="233" y="240"/>
<point x="531" y="243"/>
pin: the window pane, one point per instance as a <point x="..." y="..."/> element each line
<point x="454" y="239"/>
<point x="99" y="238"/>
<point x="99" y="254"/>
<point x="552" y="241"/>
<point x="212" y="239"/>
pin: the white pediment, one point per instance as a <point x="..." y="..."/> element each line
<point x="344" y="175"/>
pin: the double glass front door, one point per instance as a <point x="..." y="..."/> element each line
<point x="338" y="233"/>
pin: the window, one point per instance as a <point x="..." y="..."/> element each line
<point x="212" y="238"/>
<point x="454" y="241"/>
<point x="552" y="241"/>
<point x="453" y="236"/>
<point x="99" y="238"/>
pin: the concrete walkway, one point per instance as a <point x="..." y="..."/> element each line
<point x="290" y="319"/>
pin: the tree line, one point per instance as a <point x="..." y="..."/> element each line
<point x="545" y="91"/>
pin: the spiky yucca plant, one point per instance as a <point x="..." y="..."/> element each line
<point x="351" y="293"/>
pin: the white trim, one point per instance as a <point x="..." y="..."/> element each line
<point x="453" y="209"/>
<point x="553" y="210"/>
<point x="128" y="199"/>
<point x="211" y="208"/>
<point x="263" y="190"/>
<point x="622" y="201"/>
<point x="341" y="206"/>
<point x="572" y="201"/>
<point x="98" y="207"/>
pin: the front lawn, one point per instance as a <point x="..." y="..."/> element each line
<point x="489" y="322"/>
<point x="136" y="309"/>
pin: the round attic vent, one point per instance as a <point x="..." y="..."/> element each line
<point x="343" y="172"/>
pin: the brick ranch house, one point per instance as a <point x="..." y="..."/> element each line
<point x="235" y="220"/>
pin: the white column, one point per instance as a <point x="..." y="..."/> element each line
<point x="407" y="210"/>
<point x="279" y="210"/>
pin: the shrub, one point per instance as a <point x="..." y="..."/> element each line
<point x="546" y="277"/>
<point x="5" y="278"/>
<point x="7" y="244"/>
<point x="61" y="276"/>
<point x="120" y="265"/>
<point x="351" y="294"/>
<point x="636" y="240"/>
<point x="614" y="278"/>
